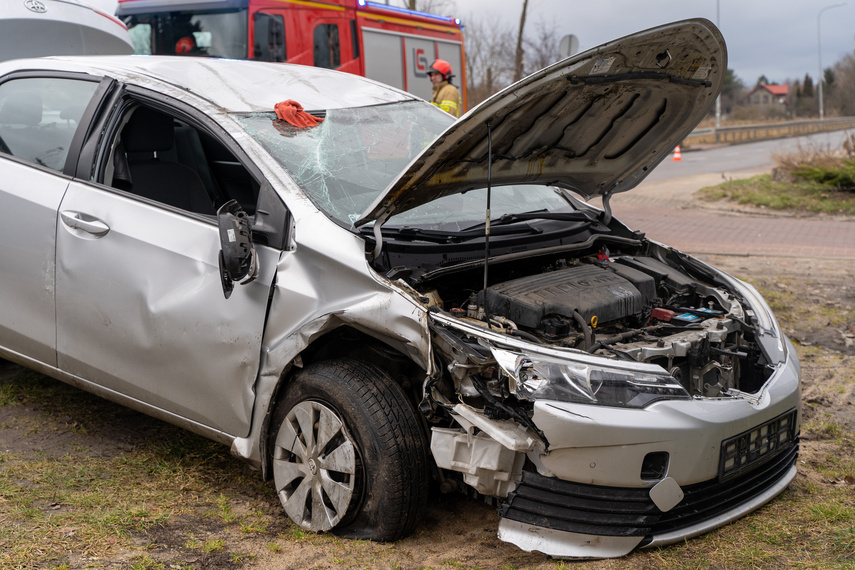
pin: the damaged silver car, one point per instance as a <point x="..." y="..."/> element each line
<point x="390" y="299"/>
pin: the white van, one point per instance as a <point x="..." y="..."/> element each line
<point x="34" y="28"/>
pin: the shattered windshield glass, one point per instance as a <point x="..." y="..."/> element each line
<point x="353" y="155"/>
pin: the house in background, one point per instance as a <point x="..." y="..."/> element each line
<point x="764" y="95"/>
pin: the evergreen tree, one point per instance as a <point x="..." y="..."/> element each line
<point x="731" y="91"/>
<point x="828" y="77"/>
<point x="807" y="87"/>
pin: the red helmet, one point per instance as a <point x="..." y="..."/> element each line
<point x="184" y="45"/>
<point x="442" y="67"/>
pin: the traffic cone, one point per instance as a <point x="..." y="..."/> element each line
<point x="677" y="157"/>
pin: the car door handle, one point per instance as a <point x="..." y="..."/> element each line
<point x="86" y="223"/>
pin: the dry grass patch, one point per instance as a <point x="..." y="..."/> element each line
<point x="800" y="196"/>
<point x="812" y="179"/>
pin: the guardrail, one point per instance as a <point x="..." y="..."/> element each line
<point x="750" y="133"/>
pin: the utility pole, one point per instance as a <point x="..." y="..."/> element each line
<point x="819" y="50"/>
<point x="518" y="58"/>
<point x="718" y="99"/>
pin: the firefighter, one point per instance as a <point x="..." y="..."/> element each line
<point x="445" y="95"/>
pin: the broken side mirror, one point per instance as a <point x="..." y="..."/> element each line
<point x="238" y="260"/>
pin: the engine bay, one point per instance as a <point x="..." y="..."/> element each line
<point x="650" y="306"/>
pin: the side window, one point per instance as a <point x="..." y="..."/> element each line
<point x="268" y="32"/>
<point x="326" y="46"/>
<point x="202" y="33"/>
<point x="140" y="33"/>
<point x="39" y="115"/>
<point x="354" y="37"/>
<point x="166" y="159"/>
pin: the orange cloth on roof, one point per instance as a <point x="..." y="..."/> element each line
<point x="293" y="113"/>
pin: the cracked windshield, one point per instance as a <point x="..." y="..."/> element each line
<point x="345" y="162"/>
<point x="353" y="155"/>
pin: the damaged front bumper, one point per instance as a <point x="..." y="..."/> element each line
<point x="566" y="519"/>
<point x="598" y="482"/>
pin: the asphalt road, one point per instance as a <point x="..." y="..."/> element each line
<point x="664" y="208"/>
<point x="743" y="157"/>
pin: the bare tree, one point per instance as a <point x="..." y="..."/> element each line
<point x="543" y="47"/>
<point x="492" y="63"/>
<point x="840" y="101"/>
<point x="489" y="56"/>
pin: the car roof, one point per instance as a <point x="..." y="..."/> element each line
<point x="233" y="85"/>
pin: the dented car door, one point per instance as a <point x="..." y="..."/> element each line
<point x="140" y="304"/>
<point x="140" y="308"/>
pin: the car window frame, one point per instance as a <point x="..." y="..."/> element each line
<point x="272" y="215"/>
<point x="84" y="126"/>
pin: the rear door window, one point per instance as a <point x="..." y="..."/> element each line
<point x="39" y="116"/>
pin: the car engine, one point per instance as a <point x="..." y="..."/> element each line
<point x="629" y="307"/>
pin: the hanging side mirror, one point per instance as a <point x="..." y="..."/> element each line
<point x="238" y="259"/>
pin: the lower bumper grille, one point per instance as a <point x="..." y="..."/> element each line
<point x="610" y="511"/>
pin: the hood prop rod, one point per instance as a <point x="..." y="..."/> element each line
<point x="607" y="208"/>
<point x="378" y="237"/>
<point x="487" y="215"/>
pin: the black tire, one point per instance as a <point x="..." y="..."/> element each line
<point x="389" y="462"/>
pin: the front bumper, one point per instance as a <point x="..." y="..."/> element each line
<point x="566" y="519"/>
<point x="588" y="497"/>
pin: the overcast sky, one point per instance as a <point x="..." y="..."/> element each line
<point x="776" y="38"/>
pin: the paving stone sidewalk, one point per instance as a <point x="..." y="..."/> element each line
<point x="666" y="211"/>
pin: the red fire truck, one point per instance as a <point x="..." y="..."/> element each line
<point x="390" y="44"/>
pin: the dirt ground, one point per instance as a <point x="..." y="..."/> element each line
<point x="225" y="517"/>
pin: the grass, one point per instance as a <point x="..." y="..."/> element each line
<point x="821" y="181"/>
<point x="792" y="531"/>
<point x="800" y="196"/>
<point x="65" y="503"/>
<point x="842" y="541"/>
<point x="796" y="302"/>
<point x="89" y="505"/>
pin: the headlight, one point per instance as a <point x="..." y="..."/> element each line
<point x="544" y="378"/>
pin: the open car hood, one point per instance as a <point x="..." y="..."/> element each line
<point x="595" y="123"/>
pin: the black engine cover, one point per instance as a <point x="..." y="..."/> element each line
<point x="592" y="290"/>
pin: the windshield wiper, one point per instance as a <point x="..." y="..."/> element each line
<point x="444" y="236"/>
<point x="544" y="214"/>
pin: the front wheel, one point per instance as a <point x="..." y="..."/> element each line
<point x="349" y="455"/>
